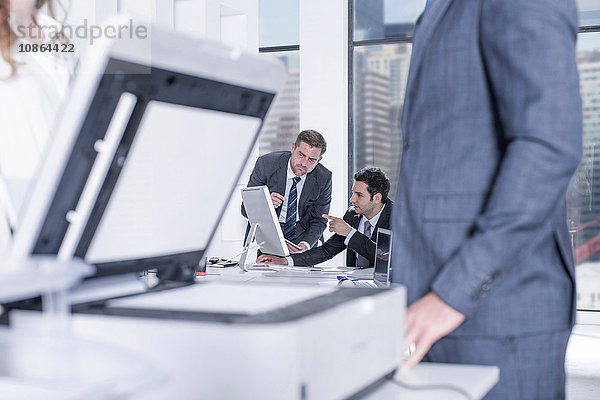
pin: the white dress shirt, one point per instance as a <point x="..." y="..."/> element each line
<point x="361" y="225"/>
<point x="288" y="185"/>
<point x="29" y="104"/>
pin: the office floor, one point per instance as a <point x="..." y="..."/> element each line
<point x="583" y="358"/>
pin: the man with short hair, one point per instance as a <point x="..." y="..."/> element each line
<point x="300" y="188"/>
<point x="357" y="230"/>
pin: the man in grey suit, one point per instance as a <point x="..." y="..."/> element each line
<point x="492" y="131"/>
<point x="300" y="188"/>
<point x="357" y="230"/>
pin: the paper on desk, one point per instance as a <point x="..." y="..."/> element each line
<point x="221" y="297"/>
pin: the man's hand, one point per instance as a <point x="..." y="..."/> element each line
<point x="296" y="248"/>
<point x="428" y="320"/>
<point x="269" y="259"/>
<point x="338" y="225"/>
<point x="277" y="199"/>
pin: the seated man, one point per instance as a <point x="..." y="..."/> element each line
<point x="357" y="231"/>
<point x="300" y="188"/>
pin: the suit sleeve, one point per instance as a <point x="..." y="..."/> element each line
<point x="332" y="246"/>
<point x="317" y="222"/>
<point x="533" y="80"/>
<point x="258" y="177"/>
<point x="363" y="246"/>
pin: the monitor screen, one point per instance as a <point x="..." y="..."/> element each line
<point x="172" y="188"/>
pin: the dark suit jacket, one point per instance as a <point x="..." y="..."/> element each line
<point x="492" y="131"/>
<point x="271" y="170"/>
<point x="358" y="243"/>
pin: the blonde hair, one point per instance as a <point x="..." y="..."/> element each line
<point x="8" y="37"/>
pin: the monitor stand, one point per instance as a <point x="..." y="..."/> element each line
<point x="247" y="243"/>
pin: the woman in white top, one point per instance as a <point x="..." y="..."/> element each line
<point x="33" y="86"/>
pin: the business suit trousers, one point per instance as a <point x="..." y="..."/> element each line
<point x="531" y="367"/>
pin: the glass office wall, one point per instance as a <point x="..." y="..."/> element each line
<point x="589" y="12"/>
<point x="379" y="58"/>
<point x="583" y="197"/>
<point x="379" y="82"/>
<point x="283" y="121"/>
<point x="279" y="37"/>
<point x="385" y="19"/>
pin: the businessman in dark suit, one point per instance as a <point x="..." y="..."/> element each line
<point x="492" y="131"/>
<point x="357" y="230"/>
<point x="300" y="187"/>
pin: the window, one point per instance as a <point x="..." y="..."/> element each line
<point x="279" y="37"/>
<point x="278" y="23"/>
<point x="385" y="19"/>
<point x="379" y="59"/>
<point x="583" y="196"/>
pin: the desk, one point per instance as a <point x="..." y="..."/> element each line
<point x="235" y="274"/>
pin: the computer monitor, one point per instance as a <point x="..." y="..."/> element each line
<point x="147" y="153"/>
<point x="383" y="256"/>
<point x="264" y="224"/>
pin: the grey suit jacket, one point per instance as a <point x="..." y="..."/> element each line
<point x="271" y="170"/>
<point x="358" y="243"/>
<point x="492" y="134"/>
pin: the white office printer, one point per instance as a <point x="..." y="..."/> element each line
<point x="136" y="179"/>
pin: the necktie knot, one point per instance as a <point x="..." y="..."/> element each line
<point x="296" y="179"/>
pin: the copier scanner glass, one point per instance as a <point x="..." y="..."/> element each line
<point x="171" y="187"/>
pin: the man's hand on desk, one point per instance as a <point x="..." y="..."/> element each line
<point x="271" y="260"/>
<point x="277" y="199"/>
<point x="428" y="320"/>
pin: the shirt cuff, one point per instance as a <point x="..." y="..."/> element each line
<point x="307" y="245"/>
<point x="290" y="261"/>
<point x="347" y="240"/>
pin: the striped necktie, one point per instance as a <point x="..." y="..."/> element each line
<point x="289" y="228"/>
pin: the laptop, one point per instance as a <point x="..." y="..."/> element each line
<point x="382" y="268"/>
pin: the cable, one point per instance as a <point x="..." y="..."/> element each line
<point x="252" y="247"/>
<point x="452" y="388"/>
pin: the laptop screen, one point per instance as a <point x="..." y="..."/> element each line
<point x="383" y="255"/>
